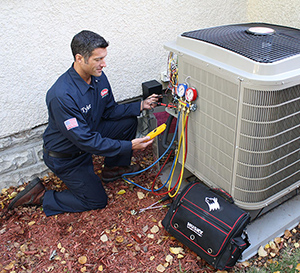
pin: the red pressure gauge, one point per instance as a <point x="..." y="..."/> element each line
<point x="191" y="94"/>
<point x="181" y="89"/>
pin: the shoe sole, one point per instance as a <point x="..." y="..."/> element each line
<point x="28" y="188"/>
<point x="107" y="180"/>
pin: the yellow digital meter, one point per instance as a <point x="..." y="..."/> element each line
<point x="157" y="131"/>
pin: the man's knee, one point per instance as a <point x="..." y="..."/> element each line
<point x="100" y="203"/>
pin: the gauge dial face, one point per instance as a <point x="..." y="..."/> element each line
<point x="181" y="89"/>
<point x="191" y="94"/>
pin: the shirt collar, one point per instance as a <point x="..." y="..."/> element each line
<point x="81" y="84"/>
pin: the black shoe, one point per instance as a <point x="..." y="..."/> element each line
<point x="110" y="174"/>
<point x="33" y="194"/>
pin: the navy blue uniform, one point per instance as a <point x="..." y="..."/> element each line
<point x="85" y="118"/>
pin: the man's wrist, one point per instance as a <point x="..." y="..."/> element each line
<point x="142" y="105"/>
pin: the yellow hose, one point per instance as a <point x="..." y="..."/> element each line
<point x="182" y="139"/>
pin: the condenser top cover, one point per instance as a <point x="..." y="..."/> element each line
<point x="264" y="43"/>
<point x="259" y="49"/>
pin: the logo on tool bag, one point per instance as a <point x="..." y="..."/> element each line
<point x="212" y="203"/>
<point x="104" y="92"/>
<point x="197" y="230"/>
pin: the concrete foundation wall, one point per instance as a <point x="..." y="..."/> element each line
<point x="21" y="157"/>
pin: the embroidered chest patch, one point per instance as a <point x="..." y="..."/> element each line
<point x="104" y="92"/>
<point x="86" y="108"/>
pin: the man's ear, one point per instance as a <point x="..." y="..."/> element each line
<point x="79" y="58"/>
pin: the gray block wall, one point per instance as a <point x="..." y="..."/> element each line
<point x="21" y="157"/>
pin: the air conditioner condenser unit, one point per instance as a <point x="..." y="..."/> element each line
<point x="244" y="136"/>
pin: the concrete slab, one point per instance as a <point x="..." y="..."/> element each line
<point x="272" y="224"/>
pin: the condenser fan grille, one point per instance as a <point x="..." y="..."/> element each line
<point x="268" y="47"/>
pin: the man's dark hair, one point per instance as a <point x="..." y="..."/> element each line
<point x="85" y="42"/>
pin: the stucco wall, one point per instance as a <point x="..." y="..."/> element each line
<point x="35" y="38"/>
<point x="278" y="12"/>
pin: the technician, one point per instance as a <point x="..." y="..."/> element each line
<point x="84" y="119"/>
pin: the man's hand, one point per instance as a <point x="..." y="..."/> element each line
<point x="141" y="143"/>
<point x="150" y="102"/>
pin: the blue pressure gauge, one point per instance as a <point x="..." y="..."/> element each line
<point x="181" y="89"/>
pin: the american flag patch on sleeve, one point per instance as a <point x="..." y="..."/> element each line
<point x="71" y="123"/>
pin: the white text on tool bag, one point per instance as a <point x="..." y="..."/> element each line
<point x="197" y="230"/>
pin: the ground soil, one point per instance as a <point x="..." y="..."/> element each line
<point x="114" y="239"/>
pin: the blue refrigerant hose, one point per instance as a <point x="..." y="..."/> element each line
<point x="138" y="172"/>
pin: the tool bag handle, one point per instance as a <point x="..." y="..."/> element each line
<point x="223" y="194"/>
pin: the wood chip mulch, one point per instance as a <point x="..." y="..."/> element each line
<point x="114" y="239"/>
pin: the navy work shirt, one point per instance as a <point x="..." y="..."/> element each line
<point x="75" y="111"/>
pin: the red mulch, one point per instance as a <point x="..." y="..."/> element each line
<point x="108" y="240"/>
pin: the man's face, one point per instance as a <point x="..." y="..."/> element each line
<point x="95" y="63"/>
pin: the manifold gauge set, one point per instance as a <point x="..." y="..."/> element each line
<point x="189" y="93"/>
<point x="185" y="95"/>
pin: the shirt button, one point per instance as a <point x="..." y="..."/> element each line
<point x="96" y="80"/>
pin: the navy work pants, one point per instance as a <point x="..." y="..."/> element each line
<point x="85" y="190"/>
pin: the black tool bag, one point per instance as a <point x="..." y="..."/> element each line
<point x="209" y="225"/>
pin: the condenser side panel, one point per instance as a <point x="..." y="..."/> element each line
<point x="268" y="146"/>
<point x="212" y="127"/>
